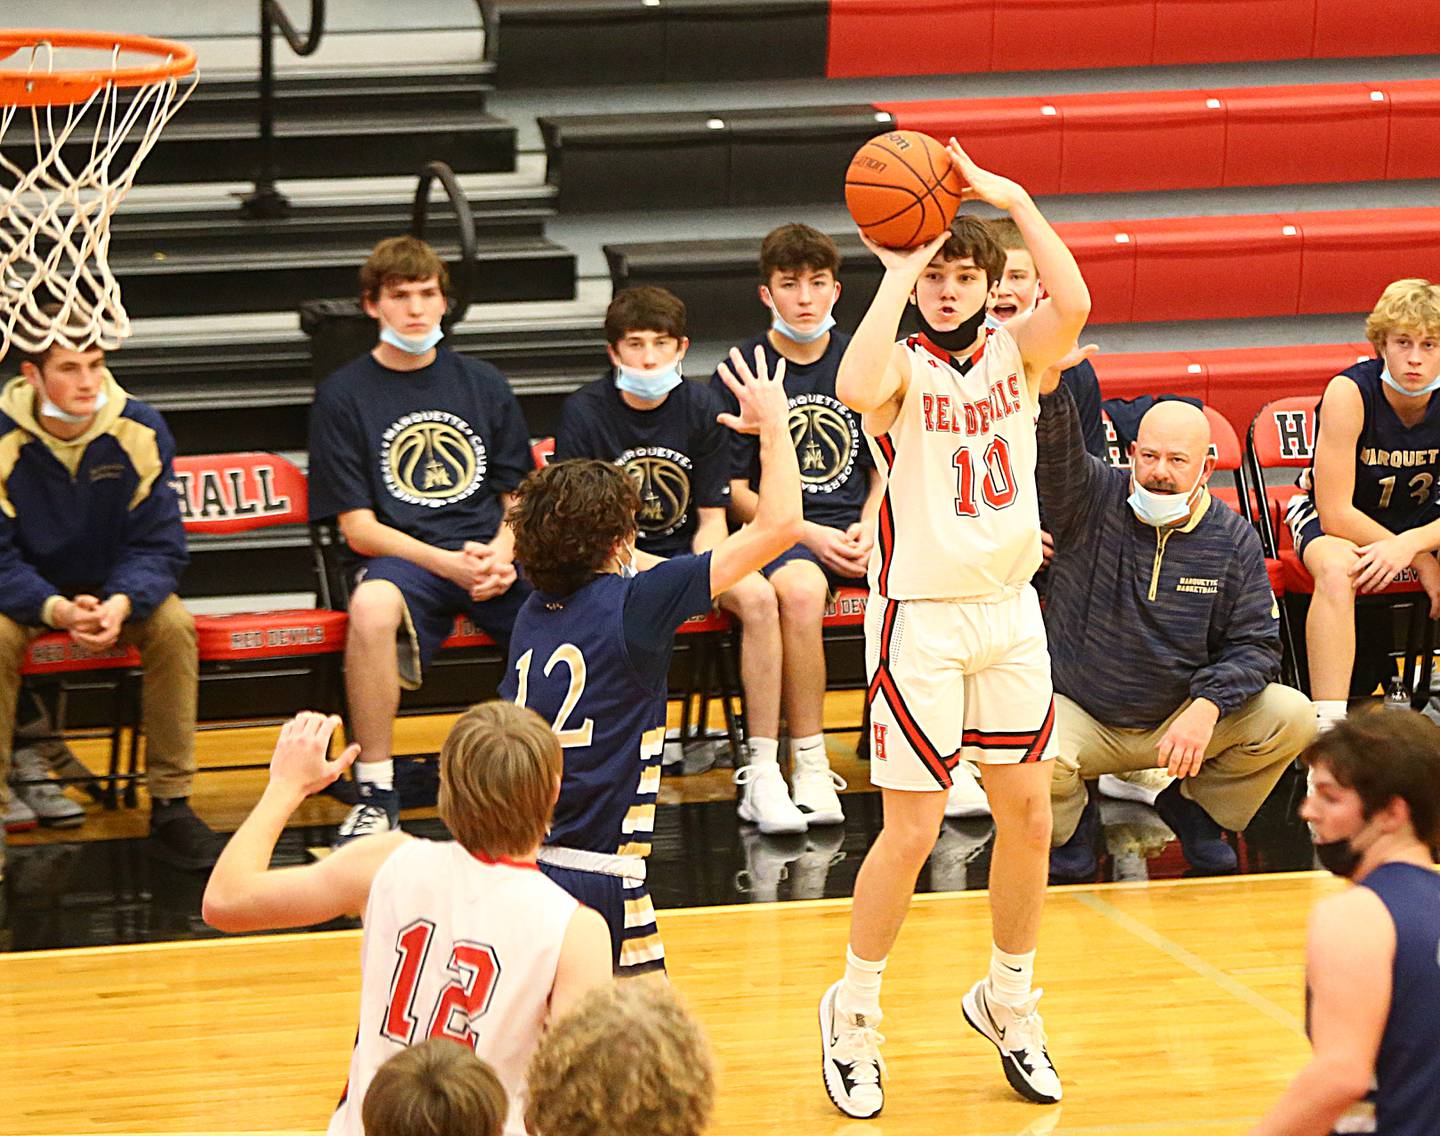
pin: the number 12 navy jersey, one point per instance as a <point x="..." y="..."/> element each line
<point x="594" y="664"/>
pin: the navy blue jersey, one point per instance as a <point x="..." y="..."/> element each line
<point x="675" y="454"/>
<point x="834" y="461"/>
<point x="1407" y="1071"/>
<point x="428" y="451"/>
<point x="1085" y="390"/>
<point x="594" y="665"/>
<point x="1397" y="467"/>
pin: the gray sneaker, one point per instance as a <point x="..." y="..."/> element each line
<point x="19" y="817"/>
<point x="30" y="782"/>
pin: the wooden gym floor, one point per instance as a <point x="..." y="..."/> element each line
<point x="1172" y="1007"/>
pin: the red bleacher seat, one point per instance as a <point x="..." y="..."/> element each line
<point x="1020" y="136"/>
<point x="1303" y="134"/>
<point x="908" y="37"/>
<point x="1153" y="372"/>
<point x="1354" y="29"/>
<point x="263" y="634"/>
<point x="847" y="609"/>
<point x="1199" y="267"/>
<point x="541" y="451"/>
<point x="466" y="634"/>
<point x="1243" y="379"/>
<point x="711" y="621"/>
<point x="1105" y="251"/>
<point x="1351" y="256"/>
<point x="56" y="653"/>
<point x="1046" y="35"/>
<point x="1414" y="125"/>
<point x="1118" y="141"/>
<point x="1226" y="31"/>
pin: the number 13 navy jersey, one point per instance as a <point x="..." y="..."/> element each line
<point x="594" y="665"/>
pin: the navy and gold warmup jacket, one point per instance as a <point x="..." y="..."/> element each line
<point x="97" y="514"/>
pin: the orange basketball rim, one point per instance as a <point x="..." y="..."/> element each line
<point x="59" y="86"/>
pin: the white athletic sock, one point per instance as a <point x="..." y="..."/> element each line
<point x="1011" y="976"/>
<point x="1329" y="712"/>
<point x="860" y="992"/>
<point x="764" y="751"/>
<point x="381" y="774"/>
<point x="811" y="749"/>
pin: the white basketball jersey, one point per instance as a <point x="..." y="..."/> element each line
<point x="960" y="518"/>
<point x="459" y="947"/>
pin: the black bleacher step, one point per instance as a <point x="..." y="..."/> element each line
<point x="606" y="42"/>
<point x="716" y="280"/>
<point x="208" y="283"/>
<point x="273" y="560"/>
<point x="347" y="94"/>
<point x="699" y="159"/>
<point x="161" y="232"/>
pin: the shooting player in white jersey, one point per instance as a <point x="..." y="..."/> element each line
<point x="464" y="939"/>
<point x="955" y="645"/>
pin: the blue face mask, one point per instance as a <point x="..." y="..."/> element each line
<point x="649" y="385"/>
<point x="1161" y="510"/>
<point x="411" y="346"/>
<point x="1428" y="388"/>
<point x="795" y="334"/>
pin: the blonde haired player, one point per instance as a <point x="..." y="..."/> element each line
<point x="955" y="645"/>
<point x="463" y="940"/>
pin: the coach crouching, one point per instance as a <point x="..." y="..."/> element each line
<point x="1164" y="637"/>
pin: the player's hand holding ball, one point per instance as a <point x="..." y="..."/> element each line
<point x="761" y="395"/>
<point x="301" y="761"/>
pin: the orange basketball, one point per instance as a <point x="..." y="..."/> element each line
<point x="902" y="189"/>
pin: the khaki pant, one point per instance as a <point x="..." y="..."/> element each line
<point x="1246" y="756"/>
<point x="167" y="694"/>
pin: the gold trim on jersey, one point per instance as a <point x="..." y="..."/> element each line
<point x="634" y="952"/>
<point x="639" y="912"/>
<point x="640" y="818"/>
<point x="635" y="848"/>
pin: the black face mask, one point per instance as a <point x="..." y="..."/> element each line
<point x="1340" y="857"/>
<point x="952" y="341"/>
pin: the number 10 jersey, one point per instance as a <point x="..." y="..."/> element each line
<point x="960" y="518"/>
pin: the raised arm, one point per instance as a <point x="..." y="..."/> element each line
<point x="779" y="520"/>
<point x="872" y="372"/>
<point x="1048" y="333"/>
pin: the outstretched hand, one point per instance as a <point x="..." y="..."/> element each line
<point x="301" y="761"/>
<point x="911" y="261"/>
<point x="982" y="185"/>
<point x="761" y="396"/>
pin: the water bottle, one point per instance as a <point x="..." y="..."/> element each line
<point x="1397" y="695"/>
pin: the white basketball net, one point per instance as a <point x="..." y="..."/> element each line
<point x="57" y="192"/>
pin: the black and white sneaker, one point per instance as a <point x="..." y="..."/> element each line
<point x="850" y="1057"/>
<point x="1019" y="1034"/>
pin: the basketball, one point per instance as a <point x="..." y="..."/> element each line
<point x="902" y="189"/>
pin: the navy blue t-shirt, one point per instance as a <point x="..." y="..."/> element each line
<point x="834" y="459"/>
<point x="428" y="451"/>
<point x="1407" y="1068"/>
<point x="675" y="454"/>
<point x="1397" y="467"/>
<point x="595" y="665"/>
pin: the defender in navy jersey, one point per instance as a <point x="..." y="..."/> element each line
<point x="1370" y="505"/>
<point x="1373" y="953"/>
<point x="414" y="452"/>
<point x="591" y="648"/>
<point x="664" y="433"/>
<point x="799" y="284"/>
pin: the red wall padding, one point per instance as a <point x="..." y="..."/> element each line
<point x="1203" y="139"/>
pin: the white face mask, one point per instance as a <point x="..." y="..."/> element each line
<point x="1162" y="510"/>
<point x="410" y="346"/>
<point x="49" y="410"/>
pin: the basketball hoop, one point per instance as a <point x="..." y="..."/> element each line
<point x="95" y="103"/>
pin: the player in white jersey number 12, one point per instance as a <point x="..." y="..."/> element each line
<point x="955" y="647"/>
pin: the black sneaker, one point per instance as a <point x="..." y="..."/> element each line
<point x="1201" y="839"/>
<point x="179" y="837"/>
<point x="1075" y="862"/>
